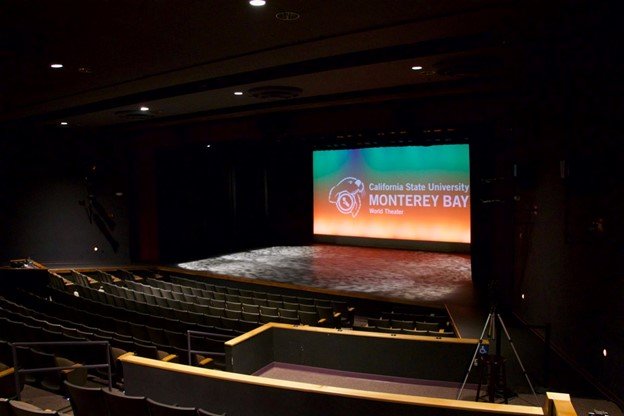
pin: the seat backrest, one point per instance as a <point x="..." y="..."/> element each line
<point x="86" y="401"/>
<point x="121" y="405"/>
<point x="5" y="407"/>
<point x="161" y="409"/>
<point x="202" y="412"/>
<point x="20" y="408"/>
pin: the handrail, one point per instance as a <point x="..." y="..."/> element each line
<point x="19" y="371"/>
<point x="558" y="404"/>
<point x="449" y="404"/>
<point x="190" y="351"/>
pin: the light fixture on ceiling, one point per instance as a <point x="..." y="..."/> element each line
<point x="417" y="68"/>
<point x="64" y="123"/>
<point x="287" y="16"/>
<point x="143" y="108"/>
<point x="238" y="93"/>
<point x="257" y="3"/>
<point x="56" y="66"/>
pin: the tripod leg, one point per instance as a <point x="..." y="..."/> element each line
<point x="474" y="356"/>
<point x="513" y="347"/>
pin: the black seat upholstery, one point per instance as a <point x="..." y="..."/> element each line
<point x="119" y="404"/>
<point x="20" y="408"/>
<point x="86" y="401"/>
<point x="161" y="409"/>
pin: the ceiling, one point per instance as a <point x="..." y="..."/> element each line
<point x="184" y="59"/>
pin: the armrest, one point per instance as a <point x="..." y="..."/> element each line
<point x="70" y="370"/>
<point x="169" y="358"/>
<point x="7" y="372"/>
<point x="205" y="361"/>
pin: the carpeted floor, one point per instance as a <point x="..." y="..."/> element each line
<point x="422" y="277"/>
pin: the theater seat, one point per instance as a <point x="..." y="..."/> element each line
<point x="20" y="408"/>
<point x="5" y="407"/>
<point x="7" y="381"/>
<point x="202" y="412"/>
<point x="161" y="409"/>
<point x="86" y="401"/>
<point x="121" y="405"/>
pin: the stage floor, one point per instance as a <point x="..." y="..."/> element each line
<point x="421" y="277"/>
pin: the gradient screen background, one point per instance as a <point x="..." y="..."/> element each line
<point x="419" y="193"/>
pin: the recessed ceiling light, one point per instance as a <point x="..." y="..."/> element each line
<point x="144" y="108"/>
<point x="95" y="248"/>
<point x="56" y="66"/>
<point x="417" y="68"/>
<point x="257" y="3"/>
<point x="238" y="93"/>
<point x="64" y="123"/>
<point x="604" y="352"/>
<point x="118" y="193"/>
<point x="208" y="146"/>
<point x="287" y="16"/>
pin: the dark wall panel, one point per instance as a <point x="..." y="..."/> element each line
<point x="59" y="200"/>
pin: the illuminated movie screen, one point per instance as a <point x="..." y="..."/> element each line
<point x="418" y="193"/>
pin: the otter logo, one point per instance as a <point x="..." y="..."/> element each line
<point x="346" y="196"/>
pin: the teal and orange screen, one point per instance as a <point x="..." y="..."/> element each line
<point x="408" y="193"/>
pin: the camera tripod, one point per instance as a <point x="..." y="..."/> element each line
<point x="490" y="328"/>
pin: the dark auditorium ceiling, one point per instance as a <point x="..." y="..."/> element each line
<point x="184" y="59"/>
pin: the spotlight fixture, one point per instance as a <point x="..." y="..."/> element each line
<point x="56" y="66"/>
<point x="417" y="68"/>
<point x="257" y="3"/>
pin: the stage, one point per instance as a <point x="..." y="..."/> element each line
<point x="424" y="278"/>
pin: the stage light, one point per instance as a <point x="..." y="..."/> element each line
<point x="144" y="108"/>
<point x="95" y="248"/>
<point x="238" y="93"/>
<point x="208" y="146"/>
<point x="604" y="352"/>
<point x="522" y="296"/>
<point x="64" y="123"/>
<point x="417" y="68"/>
<point x="56" y="66"/>
<point x="257" y="3"/>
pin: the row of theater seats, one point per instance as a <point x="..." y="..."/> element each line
<point x="424" y="325"/>
<point x="155" y="314"/>
<point x="190" y="287"/>
<point x="437" y="334"/>
<point x="125" y="332"/>
<point x="251" y="309"/>
<point x="89" y="401"/>
<point x="238" y="316"/>
<point x="38" y="357"/>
